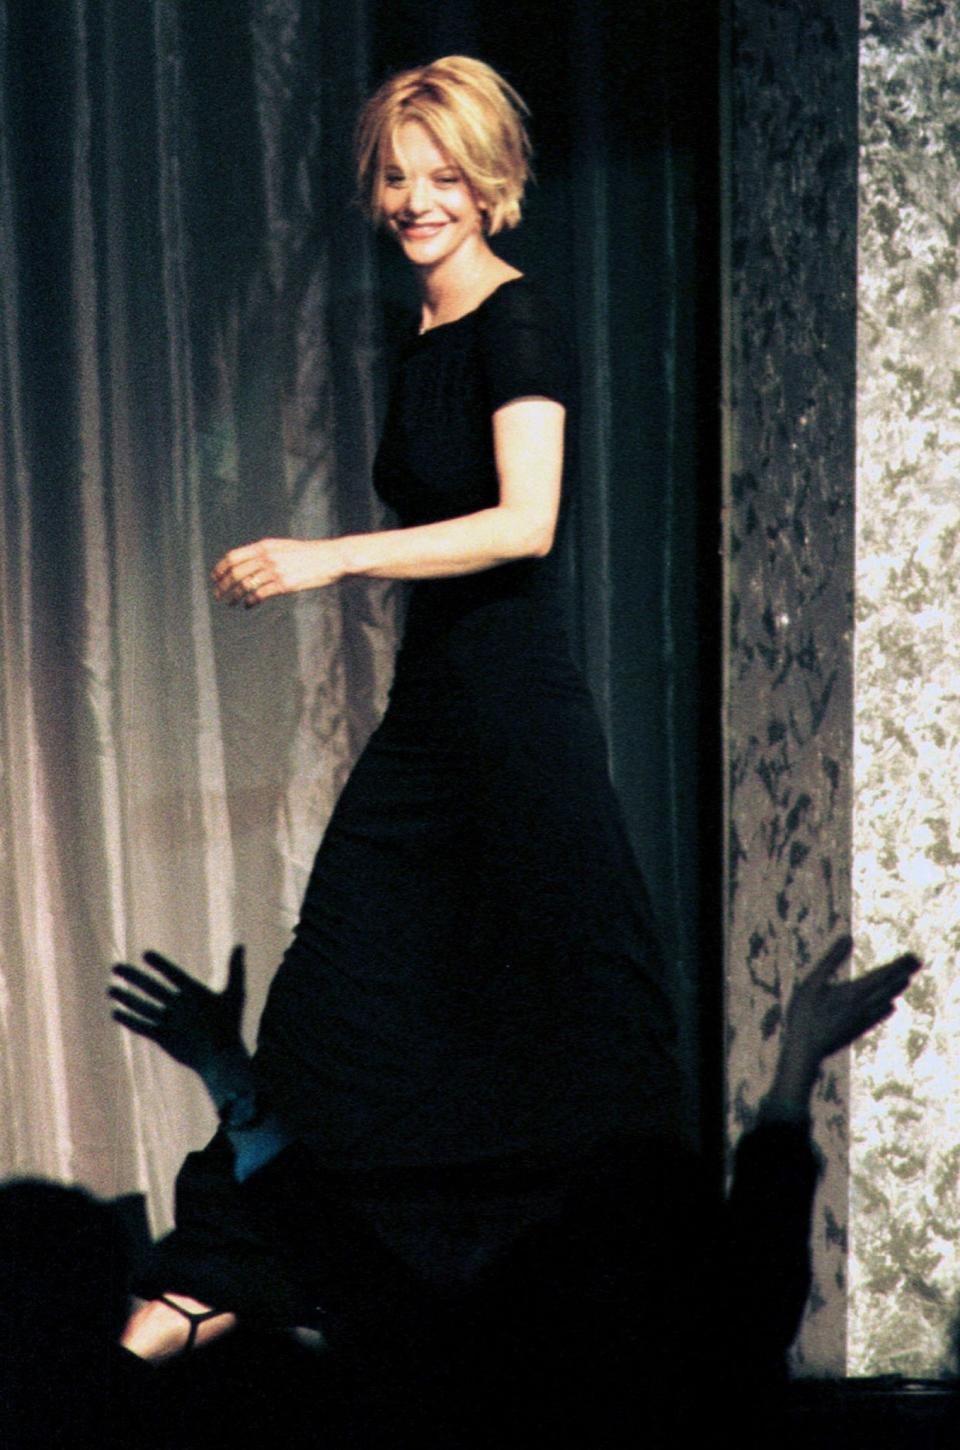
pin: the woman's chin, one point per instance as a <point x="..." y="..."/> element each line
<point x="423" y="249"/>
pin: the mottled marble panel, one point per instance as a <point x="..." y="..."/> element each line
<point x="905" y="1081"/>
<point x="791" y="329"/>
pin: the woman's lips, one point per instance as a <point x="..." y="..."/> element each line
<point x="419" y="231"/>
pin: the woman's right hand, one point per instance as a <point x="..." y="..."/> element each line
<point x="256" y="572"/>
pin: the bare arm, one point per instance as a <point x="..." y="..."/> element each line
<point x="528" y="450"/>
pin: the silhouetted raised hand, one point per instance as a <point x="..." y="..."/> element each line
<point x="824" y="1016"/>
<point x="198" y="1027"/>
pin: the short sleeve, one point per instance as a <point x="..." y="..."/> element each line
<point x="524" y="350"/>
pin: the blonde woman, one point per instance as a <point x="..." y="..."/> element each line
<point x="473" y="995"/>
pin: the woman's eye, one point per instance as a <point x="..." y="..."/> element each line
<point x="393" y="178"/>
<point x="448" y="180"/>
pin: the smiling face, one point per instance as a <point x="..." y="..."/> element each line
<point x="426" y="200"/>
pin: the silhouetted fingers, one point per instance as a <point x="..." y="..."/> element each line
<point x="894" y="977"/>
<point x="152" y="1011"/>
<point x="869" y="999"/>
<point x="862" y="1018"/>
<point x="833" y="958"/>
<point x="838" y="953"/>
<point x="237" y="974"/>
<point x="144" y="983"/>
<point x="867" y="1020"/>
<point x="134" y="1024"/>
<point x="876" y="1009"/>
<point x="907" y="965"/>
<point x="170" y="970"/>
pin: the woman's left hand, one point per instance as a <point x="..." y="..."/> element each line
<point x="256" y="572"/>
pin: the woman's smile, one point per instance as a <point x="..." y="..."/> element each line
<point x="419" y="230"/>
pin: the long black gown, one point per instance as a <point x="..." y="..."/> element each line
<point x="474" y="972"/>
<point x="474" y="980"/>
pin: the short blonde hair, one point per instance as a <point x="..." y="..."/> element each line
<point x="472" y="113"/>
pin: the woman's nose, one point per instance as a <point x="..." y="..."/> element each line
<point x="418" y="197"/>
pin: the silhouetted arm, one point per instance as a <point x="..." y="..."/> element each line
<point x="770" y="1205"/>
<point x="200" y="1028"/>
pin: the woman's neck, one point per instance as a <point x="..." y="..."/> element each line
<point x="459" y="283"/>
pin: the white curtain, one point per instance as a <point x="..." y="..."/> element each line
<point x="189" y="361"/>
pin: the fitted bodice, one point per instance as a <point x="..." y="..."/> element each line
<point x="436" y="456"/>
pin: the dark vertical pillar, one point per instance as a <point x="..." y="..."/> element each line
<point x="790" y="379"/>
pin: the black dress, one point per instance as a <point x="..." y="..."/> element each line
<point x="474" y="972"/>
<point x="472" y="1005"/>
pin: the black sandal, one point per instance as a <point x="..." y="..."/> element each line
<point x="194" y="1317"/>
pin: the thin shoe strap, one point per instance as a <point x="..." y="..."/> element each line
<point x="194" y="1317"/>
